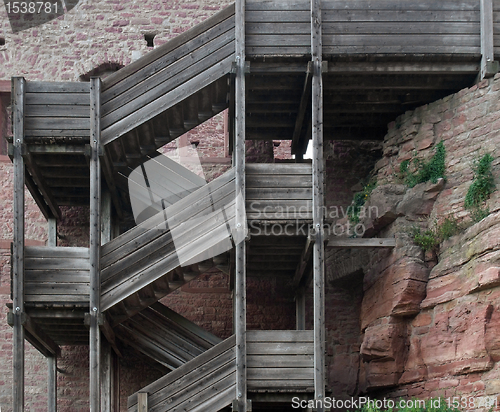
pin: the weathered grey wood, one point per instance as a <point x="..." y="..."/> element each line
<point x="142" y="402"/>
<point x="300" y="310"/>
<point x="52" y="232"/>
<point x="106" y="377"/>
<point x="179" y="378"/>
<point x="95" y="244"/>
<point x="291" y="336"/>
<point x="281" y="361"/>
<point x="18" y="104"/>
<point x="57" y="123"/>
<point x="299" y="149"/>
<point x="285" y="181"/>
<point x="220" y="187"/>
<point x="400" y="27"/>
<point x="57" y="252"/>
<point x="277" y="168"/>
<point x="169" y="67"/>
<point x="488" y="66"/>
<point x="41" y="337"/>
<point x="280" y="348"/>
<point x="52" y="383"/>
<point x="167" y="48"/>
<point x="58" y="87"/>
<point x="402" y="5"/>
<point x="79" y="99"/>
<point x="168" y="100"/>
<point x="281" y="373"/>
<point x="403" y="67"/>
<point x="304" y="263"/>
<point x="57" y="111"/>
<point x="361" y="243"/>
<point x="392" y="16"/>
<point x="240" y="324"/>
<point x="318" y="203"/>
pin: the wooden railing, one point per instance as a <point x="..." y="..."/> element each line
<point x="278" y="192"/>
<point x="206" y="383"/>
<point x="56" y="275"/>
<point x="57" y="109"/>
<point x="367" y="27"/>
<point x="167" y="75"/>
<point x="280" y="360"/>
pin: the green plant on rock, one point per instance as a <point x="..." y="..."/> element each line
<point x="358" y="201"/>
<point x="482" y="187"/>
<point x="416" y="171"/>
<point x="431" y="238"/>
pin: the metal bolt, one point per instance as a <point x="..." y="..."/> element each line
<point x="94" y="309"/>
<point x="317" y="225"/>
<point x="18" y="309"/>
<point x="238" y="224"/>
<point x="18" y="140"/>
<point x="239" y="394"/>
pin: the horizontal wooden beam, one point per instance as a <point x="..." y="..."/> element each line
<point x="361" y="243"/>
<point x="403" y="67"/>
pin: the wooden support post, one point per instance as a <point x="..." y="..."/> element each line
<point x="142" y="402"/>
<point x="489" y="67"/>
<point x="52" y="384"/>
<point x="107" y="377"/>
<point x="317" y="180"/>
<point x="95" y="243"/>
<point x="239" y="156"/>
<point x="52" y="232"/>
<point x="106" y="222"/>
<point x="18" y="91"/>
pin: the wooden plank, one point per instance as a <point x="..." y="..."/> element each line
<point x="240" y="291"/>
<point x="68" y="299"/>
<point x="280" y="348"/>
<point x="383" y="5"/>
<point x="57" y="123"/>
<point x="402" y="68"/>
<point x="51" y="233"/>
<point x="286" y="385"/>
<point x="277" y="16"/>
<point x="52" y="383"/>
<point x="61" y="289"/>
<point x="361" y="243"/>
<point x="79" y="99"/>
<point x="280" y="373"/>
<point x="95" y="244"/>
<point x="168" y="100"/>
<point x="57" y="264"/>
<point x="318" y="203"/>
<point x="177" y="379"/>
<point x="273" y="181"/>
<point x="278" y="193"/>
<point x="57" y="110"/>
<point x="391" y="16"/>
<point x="488" y="67"/>
<point x="18" y="104"/>
<point x="289" y="5"/>
<point x="58" y="87"/>
<point x="449" y="43"/>
<point x="280" y="361"/>
<point x="58" y="133"/>
<point x="167" y="48"/>
<point x="142" y="402"/>
<point x="277" y="168"/>
<point x="57" y="252"/>
<point x="398" y="28"/>
<point x="280" y="336"/>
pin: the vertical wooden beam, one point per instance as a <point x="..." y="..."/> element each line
<point x="18" y="90"/>
<point x="489" y="67"/>
<point x="239" y="156"/>
<point x="95" y="242"/>
<point x="52" y="232"/>
<point x="107" y="376"/>
<point x="142" y="402"/>
<point x="106" y="220"/>
<point x="318" y="201"/>
<point x="300" y="309"/>
<point x="52" y="384"/>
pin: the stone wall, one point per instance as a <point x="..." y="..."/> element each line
<point x="430" y="322"/>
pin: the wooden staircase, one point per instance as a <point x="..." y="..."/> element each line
<point x="147" y="262"/>
<point x="169" y="91"/>
<point x="165" y="336"/>
<point x="205" y="384"/>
